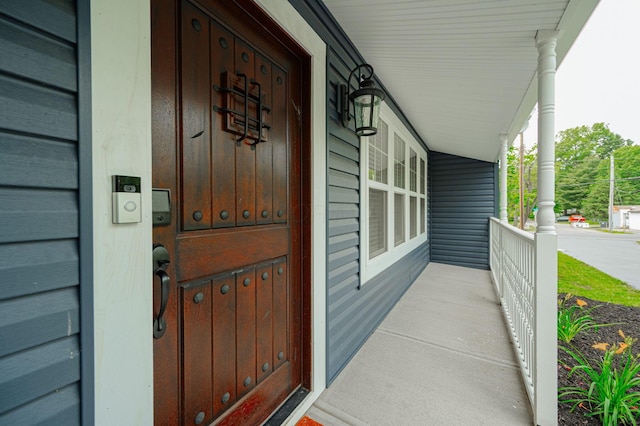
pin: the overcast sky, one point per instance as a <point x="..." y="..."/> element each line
<point x="599" y="79"/>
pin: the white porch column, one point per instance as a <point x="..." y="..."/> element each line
<point x="546" y="240"/>
<point x="546" y="44"/>
<point x="503" y="178"/>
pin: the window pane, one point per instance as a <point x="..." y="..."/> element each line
<point x="413" y="170"/>
<point x="423" y="173"/>
<point x="399" y="161"/>
<point x="377" y="222"/>
<point x="378" y="154"/>
<point x="398" y="227"/>
<point x="413" y="217"/>
<point x="423" y="213"/>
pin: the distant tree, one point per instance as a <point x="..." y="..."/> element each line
<point x="530" y="175"/>
<point x="627" y="170"/>
<point x="596" y="205"/>
<point x="627" y="183"/>
<point x="573" y="186"/>
<point x="579" y="152"/>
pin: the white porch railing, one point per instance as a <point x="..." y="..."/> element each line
<point x="524" y="271"/>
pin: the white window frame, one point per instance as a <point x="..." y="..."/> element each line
<point x="374" y="266"/>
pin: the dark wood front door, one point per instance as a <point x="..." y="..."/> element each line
<point x="227" y="143"/>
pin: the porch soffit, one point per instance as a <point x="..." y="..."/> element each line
<point x="462" y="71"/>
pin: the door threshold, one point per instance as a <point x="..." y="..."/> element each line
<point x="287" y="407"/>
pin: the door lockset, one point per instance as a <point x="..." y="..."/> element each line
<point x="161" y="206"/>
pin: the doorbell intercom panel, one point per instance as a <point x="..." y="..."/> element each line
<point x="126" y="199"/>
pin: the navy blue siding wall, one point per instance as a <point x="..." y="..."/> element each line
<point x="354" y="312"/>
<point x="39" y="256"/>
<point x="463" y="198"/>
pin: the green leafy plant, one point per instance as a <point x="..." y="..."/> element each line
<point x="574" y="319"/>
<point x="612" y="389"/>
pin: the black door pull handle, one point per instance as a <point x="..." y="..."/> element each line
<point x="160" y="263"/>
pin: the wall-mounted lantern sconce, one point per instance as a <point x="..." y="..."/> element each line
<point x="366" y="101"/>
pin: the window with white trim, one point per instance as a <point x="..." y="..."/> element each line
<point x="394" y="212"/>
<point x="378" y="167"/>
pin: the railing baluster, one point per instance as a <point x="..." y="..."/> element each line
<point x="516" y="257"/>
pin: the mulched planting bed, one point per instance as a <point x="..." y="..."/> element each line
<point x="605" y="313"/>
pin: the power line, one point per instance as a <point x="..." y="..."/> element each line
<point x="596" y="181"/>
<point x="592" y="160"/>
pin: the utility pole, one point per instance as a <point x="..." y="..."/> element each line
<point x="611" y="192"/>
<point x="522" y="219"/>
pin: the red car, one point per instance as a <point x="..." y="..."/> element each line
<point x="576" y="218"/>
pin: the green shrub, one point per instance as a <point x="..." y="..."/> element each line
<point x="574" y="319"/>
<point x="609" y="386"/>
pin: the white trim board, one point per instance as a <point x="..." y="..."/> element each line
<point x="121" y="145"/>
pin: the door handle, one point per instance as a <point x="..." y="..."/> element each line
<point x="160" y="263"/>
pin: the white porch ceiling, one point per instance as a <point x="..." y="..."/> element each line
<point x="462" y="71"/>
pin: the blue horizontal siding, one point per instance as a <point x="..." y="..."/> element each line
<point x="342" y="241"/>
<point x="37" y="372"/>
<point x="463" y="198"/>
<point x="30" y="108"/>
<point x="32" y="320"/>
<point x="56" y="18"/>
<point x="344" y="210"/>
<point x="36" y="56"/>
<point x="61" y="407"/>
<point x="31" y="214"/>
<point x="31" y="268"/>
<point x="353" y="311"/>
<point x="39" y="214"/>
<point x="56" y="162"/>
<point x="357" y="313"/>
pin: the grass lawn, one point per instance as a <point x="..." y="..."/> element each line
<point x="580" y="279"/>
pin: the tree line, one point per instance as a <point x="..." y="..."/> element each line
<point x="582" y="173"/>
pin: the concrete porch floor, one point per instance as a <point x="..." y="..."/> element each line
<point x="441" y="357"/>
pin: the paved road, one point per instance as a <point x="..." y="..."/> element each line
<point x="616" y="254"/>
